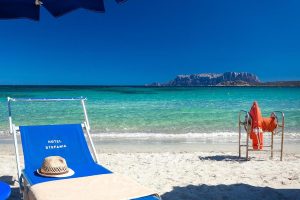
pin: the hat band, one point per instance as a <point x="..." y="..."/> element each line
<point x="54" y="173"/>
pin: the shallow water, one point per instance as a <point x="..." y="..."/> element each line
<point x="156" y="112"/>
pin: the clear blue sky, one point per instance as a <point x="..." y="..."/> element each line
<point x="143" y="41"/>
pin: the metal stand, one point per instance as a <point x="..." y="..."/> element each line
<point x="247" y="121"/>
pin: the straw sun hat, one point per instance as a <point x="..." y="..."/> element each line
<point x="55" y="166"/>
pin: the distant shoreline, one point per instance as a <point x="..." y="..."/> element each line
<point x="232" y="79"/>
<point x="267" y="84"/>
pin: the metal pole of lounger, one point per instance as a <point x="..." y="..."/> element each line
<point x="85" y="114"/>
<point x="9" y="115"/>
<point x="17" y="157"/>
<point x="45" y="99"/>
<point x="87" y="125"/>
<point x="13" y="131"/>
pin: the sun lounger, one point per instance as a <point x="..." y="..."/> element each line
<point x="90" y="180"/>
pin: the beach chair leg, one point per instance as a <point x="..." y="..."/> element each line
<point x="25" y="189"/>
<point x="25" y="196"/>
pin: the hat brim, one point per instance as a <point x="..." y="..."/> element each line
<point x="70" y="173"/>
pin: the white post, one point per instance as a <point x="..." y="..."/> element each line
<point x="85" y="114"/>
<point x="12" y="130"/>
<point x="17" y="153"/>
<point x="87" y="125"/>
<point x="9" y="116"/>
<point x="92" y="144"/>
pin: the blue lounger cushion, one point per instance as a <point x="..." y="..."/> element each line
<point x="151" y="197"/>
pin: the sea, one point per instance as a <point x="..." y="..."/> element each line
<point x="159" y="113"/>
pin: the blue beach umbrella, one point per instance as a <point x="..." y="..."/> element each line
<point x="12" y="9"/>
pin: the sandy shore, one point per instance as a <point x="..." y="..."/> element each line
<point x="197" y="175"/>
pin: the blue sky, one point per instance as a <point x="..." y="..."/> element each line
<point x="143" y="41"/>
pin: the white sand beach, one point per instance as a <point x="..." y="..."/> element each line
<point x="195" y="175"/>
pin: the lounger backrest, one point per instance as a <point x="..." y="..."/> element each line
<point x="67" y="141"/>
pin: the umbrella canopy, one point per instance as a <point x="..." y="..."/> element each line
<point x="12" y="9"/>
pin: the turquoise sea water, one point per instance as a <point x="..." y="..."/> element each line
<point x="157" y="111"/>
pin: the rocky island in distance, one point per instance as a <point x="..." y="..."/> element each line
<point x="221" y="79"/>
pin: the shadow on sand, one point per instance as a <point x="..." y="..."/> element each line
<point x="15" y="193"/>
<point x="222" y="158"/>
<point x="207" y="192"/>
<point x="230" y="192"/>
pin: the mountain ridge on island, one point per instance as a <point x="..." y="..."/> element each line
<point x="221" y="79"/>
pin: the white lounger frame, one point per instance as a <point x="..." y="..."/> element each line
<point x="13" y="129"/>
